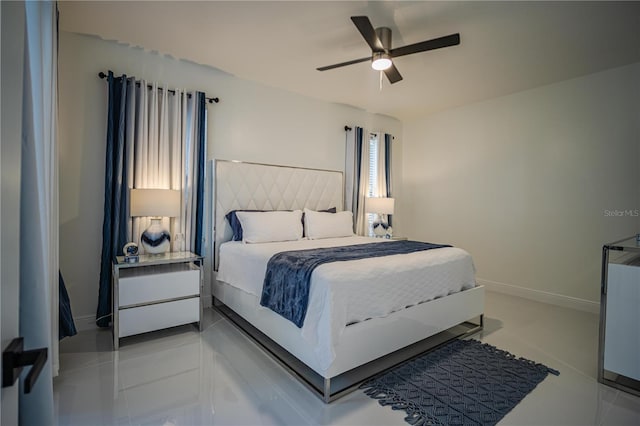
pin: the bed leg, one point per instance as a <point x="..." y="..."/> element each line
<point x="327" y="391"/>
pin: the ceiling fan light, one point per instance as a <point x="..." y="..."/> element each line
<point x="380" y="61"/>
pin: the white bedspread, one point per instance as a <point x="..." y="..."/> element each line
<point x="342" y="293"/>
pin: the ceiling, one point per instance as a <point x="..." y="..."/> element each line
<point x="506" y="47"/>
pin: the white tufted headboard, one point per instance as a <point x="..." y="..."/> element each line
<point x="239" y="185"/>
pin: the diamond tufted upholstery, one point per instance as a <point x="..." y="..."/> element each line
<point x="267" y="187"/>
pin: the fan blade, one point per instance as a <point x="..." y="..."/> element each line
<point x="368" y="33"/>
<point x="344" y="64"/>
<point x="393" y="74"/>
<point x="423" y="46"/>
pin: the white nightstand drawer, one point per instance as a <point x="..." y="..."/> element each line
<point x="153" y="287"/>
<point x="161" y="315"/>
<point x="156" y="292"/>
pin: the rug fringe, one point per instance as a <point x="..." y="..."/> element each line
<point x="415" y="416"/>
<point x="540" y="366"/>
<point x="416" y="419"/>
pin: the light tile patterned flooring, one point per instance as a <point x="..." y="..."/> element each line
<point x="219" y="377"/>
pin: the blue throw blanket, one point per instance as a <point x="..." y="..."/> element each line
<point x="288" y="277"/>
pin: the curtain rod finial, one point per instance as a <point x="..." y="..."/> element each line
<point x="347" y="128"/>
<point x="102" y="75"/>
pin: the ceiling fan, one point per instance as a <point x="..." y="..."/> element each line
<point x="379" y="40"/>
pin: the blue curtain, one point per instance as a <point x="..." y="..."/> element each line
<point x="116" y="203"/>
<point x="387" y="172"/>
<point x="200" y="167"/>
<point x="66" y="326"/>
<point x="356" y="204"/>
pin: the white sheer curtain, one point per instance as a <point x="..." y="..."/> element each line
<point x="151" y="144"/>
<point x="360" y="219"/>
<point x="39" y="206"/>
<point x="164" y="145"/>
<point x="381" y="178"/>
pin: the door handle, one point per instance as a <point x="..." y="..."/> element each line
<point x="14" y="357"/>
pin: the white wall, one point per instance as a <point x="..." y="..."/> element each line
<point x="252" y="122"/>
<point x="523" y="181"/>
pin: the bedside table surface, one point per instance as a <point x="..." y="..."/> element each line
<point x="157" y="259"/>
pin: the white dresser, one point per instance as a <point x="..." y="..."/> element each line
<point x="619" y="358"/>
<point x="158" y="291"/>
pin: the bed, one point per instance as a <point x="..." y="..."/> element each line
<point x="363" y="315"/>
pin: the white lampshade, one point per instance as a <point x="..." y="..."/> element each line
<point x="155" y="202"/>
<point x="379" y="205"/>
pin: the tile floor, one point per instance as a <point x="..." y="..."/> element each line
<point x="219" y="377"/>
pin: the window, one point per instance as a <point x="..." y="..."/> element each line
<point x="373" y="165"/>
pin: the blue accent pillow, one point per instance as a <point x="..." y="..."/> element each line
<point x="236" y="226"/>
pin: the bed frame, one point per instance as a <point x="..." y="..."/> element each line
<point x="365" y="348"/>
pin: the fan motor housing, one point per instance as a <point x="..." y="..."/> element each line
<point x="384" y="34"/>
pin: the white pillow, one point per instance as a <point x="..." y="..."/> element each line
<point x="265" y="227"/>
<point x="327" y="225"/>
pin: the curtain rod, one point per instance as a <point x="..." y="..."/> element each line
<point x="102" y="75"/>
<point x="348" y="129"/>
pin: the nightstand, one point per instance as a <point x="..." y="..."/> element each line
<point x="159" y="291"/>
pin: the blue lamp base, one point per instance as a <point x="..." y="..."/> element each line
<point x="155" y="239"/>
<point x="381" y="228"/>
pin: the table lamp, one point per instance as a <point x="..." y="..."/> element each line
<point x="155" y="203"/>
<point x="382" y="207"/>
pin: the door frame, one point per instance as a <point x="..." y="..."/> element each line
<point x="12" y="15"/>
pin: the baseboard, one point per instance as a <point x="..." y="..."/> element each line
<point x="542" y="296"/>
<point x="207" y="301"/>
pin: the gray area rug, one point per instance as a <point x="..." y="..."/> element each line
<point x="464" y="382"/>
